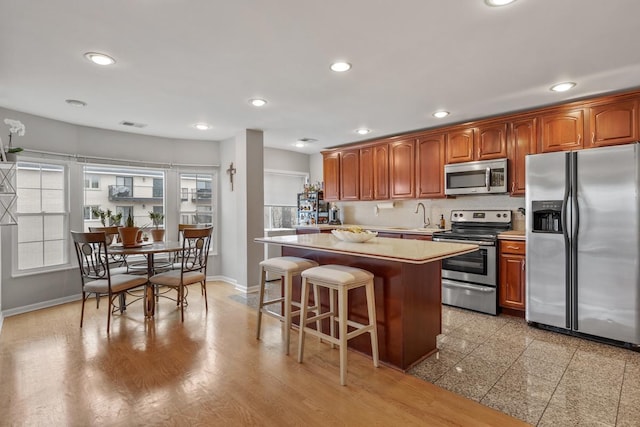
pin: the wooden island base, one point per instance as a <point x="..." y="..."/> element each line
<point x="408" y="305"/>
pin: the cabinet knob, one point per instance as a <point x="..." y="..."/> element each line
<point x="523" y="262"/>
<point x="593" y="137"/>
<point x="579" y="139"/>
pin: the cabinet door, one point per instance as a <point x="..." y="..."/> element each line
<point x="381" y="171"/>
<point x="491" y="142"/>
<point x="523" y="143"/>
<point x="366" y="173"/>
<point x="613" y="123"/>
<point x="331" y="174"/>
<point x="512" y="276"/>
<point x="430" y="154"/>
<point x="460" y="146"/>
<point x="350" y="175"/>
<point x="402" y="169"/>
<point x="562" y="130"/>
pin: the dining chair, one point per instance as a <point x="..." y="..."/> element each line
<point x="177" y="264"/>
<point x="117" y="262"/>
<point x="96" y="277"/>
<point x="193" y="266"/>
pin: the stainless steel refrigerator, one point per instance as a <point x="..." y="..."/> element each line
<point x="582" y="241"/>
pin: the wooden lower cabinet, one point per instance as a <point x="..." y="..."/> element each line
<point x="512" y="291"/>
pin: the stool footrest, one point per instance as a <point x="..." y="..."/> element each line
<point x="273" y="301"/>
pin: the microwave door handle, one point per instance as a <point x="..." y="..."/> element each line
<point x="487" y="179"/>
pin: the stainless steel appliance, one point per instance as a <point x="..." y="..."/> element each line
<point x="582" y="242"/>
<point x="471" y="280"/>
<point x="484" y="177"/>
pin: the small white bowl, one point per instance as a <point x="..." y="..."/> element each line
<point x="348" y="236"/>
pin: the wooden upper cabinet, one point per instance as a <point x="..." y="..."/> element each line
<point x="350" y="175"/>
<point x="562" y="130"/>
<point x="366" y="173"/>
<point x="331" y="175"/>
<point x="523" y="143"/>
<point x="402" y="169"/>
<point x="430" y="157"/>
<point x="381" y="171"/>
<point x="460" y="146"/>
<point x="491" y="141"/>
<point x="613" y="123"/>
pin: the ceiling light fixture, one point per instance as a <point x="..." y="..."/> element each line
<point x="202" y="126"/>
<point x="257" y="102"/>
<point x="340" y="67"/>
<point x="498" y="3"/>
<point x="99" y="58"/>
<point x="363" y="131"/>
<point x="562" y="87"/>
<point x="299" y="144"/>
<point x="75" y="102"/>
<point x="440" y="114"/>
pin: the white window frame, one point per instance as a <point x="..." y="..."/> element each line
<point x="15" y="271"/>
<point x="92" y="179"/>
<point x="214" y="172"/>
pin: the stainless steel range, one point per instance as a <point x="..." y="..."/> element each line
<point x="471" y="280"/>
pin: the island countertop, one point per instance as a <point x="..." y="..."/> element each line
<point x="401" y="250"/>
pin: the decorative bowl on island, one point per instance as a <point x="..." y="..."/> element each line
<point x="354" y="234"/>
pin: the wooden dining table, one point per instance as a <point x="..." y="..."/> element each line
<point x="149" y="249"/>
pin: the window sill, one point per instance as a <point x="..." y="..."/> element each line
<point x="65" y="267"/>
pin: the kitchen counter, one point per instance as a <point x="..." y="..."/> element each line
<point x="381" y="228"/>
<point x="512" y="235"/>
<point x="402" y="250"/>
<point x="407" y="288"/>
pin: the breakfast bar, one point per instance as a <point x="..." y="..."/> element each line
<point x="407" y="288"/>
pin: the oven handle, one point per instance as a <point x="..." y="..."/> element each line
<point x="476" y="288"/>
<point x="469" y="242"/>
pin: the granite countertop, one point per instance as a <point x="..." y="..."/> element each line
<point x="512" y="235"/>
<point x="381" y="228"/>
<point x="402" y="250"/>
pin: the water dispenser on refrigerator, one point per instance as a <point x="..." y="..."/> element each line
<point x="547" y="216"/>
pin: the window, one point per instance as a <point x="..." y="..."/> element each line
<point x="125" y="190"/>
<point x="158" y="187"/>
<point x="280" y="198"/>
<point x="184" y="194"/>
<point x="123" y="187"/>
<point x="92" y="182"/>
<point x="197" y="209"/>
<point x="43" y="216"/>
<point x="88" y="212"/>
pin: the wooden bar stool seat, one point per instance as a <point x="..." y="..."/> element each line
<point x="339" y="279"/>
<point x="286" y="267"/>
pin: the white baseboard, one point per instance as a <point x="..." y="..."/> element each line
<point x="234" y="283"/>
<point x="41" y="305"/>
<point x="1" y="321"/>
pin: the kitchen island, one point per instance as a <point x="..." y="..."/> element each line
<point x="407" y="288"/>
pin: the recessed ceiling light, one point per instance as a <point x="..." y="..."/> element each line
<point x="440" y="114"/>
<point x="496" y="3"/>
<point x="257" y="102"/>
<point x="75" y="102"/>
<point x="340" y="67"/>
<point x="363" y="131"/>
<point x="562" y="87"/>
<point x="202" y="126"/>
<point x="99" y="58"/>
<point x="299" y="144"/>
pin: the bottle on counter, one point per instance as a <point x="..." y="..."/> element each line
<point x="442" y="222"/>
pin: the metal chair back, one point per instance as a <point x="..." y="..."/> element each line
<point x="91" y="251"/>
<point x="195" y="248"/>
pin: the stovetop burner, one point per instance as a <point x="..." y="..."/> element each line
<point x="477" y="225"/>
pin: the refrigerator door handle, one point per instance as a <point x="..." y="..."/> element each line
<point x="567" y="242"/>
<point x="575" y="217"/>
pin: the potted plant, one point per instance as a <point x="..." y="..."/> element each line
<point x="103" y="215"/>
<point x="115" y="219"/>
<point x="129" y="233"/>
<point x="157" y="233"/>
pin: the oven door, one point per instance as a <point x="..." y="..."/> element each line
<point x="475" y="267"/>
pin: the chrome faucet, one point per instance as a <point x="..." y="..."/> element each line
<point x="425" y="221"/>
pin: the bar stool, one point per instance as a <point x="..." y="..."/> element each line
<point x="286" y="267"/>
<point x="339" y="279"/>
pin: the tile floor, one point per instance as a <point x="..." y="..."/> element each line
<point x="543" y="378"/>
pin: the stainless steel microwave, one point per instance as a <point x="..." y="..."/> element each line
<point x="483" y="177"/>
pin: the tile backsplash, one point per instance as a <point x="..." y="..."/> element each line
<point x="402" y="214"/>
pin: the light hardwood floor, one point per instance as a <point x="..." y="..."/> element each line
<point x="208" y="371"/>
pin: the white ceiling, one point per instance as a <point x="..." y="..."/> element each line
<point x="182" y="62"/>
